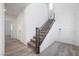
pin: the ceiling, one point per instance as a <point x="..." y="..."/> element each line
<point x="13" y="9"/>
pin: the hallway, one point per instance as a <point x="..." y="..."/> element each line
<point x="14" y="47"/>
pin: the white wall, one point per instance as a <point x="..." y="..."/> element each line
<point x="69" y="22"/>
<point x="64" y="16"/>
<point x="1" y="29"/>
<point x="9" y="20"/>
<point x="7" y="28"/>
<point x="76" y="23"/>
<point x="34" y="15"/>
<point x="21" y="27"/>
<point x="14" y="28"/>
<point x="37" y="15"/>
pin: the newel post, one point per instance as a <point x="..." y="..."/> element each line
<point x="37" y="40"/>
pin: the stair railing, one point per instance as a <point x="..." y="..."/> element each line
<point x="38" y="41"/>
<point x="47" y="31"/>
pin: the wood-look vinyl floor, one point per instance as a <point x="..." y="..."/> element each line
<point x="14" y="47"/>
<point x="61" y="49"/>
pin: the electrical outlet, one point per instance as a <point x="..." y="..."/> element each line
<point x="59" y="29"/>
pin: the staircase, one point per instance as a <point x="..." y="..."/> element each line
<point x="41" y="33"/>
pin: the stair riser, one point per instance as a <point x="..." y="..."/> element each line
<point x="30" y="45"/>
<point x="33" y="41"/>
